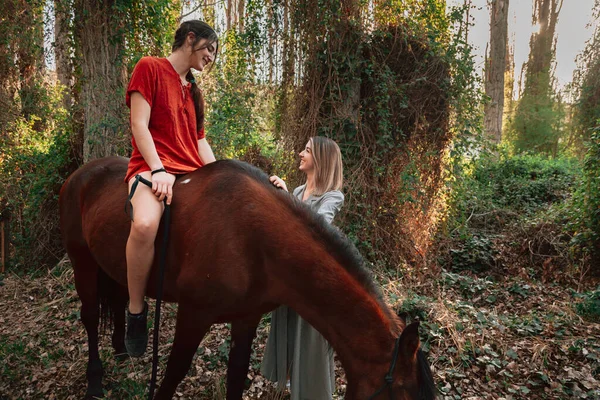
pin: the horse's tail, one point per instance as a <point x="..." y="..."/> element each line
<point x="106" y="288"/>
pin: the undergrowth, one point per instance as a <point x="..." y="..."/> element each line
<point x="510" y="213"/>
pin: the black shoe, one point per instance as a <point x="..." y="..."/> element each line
<point x="136" y="338"/>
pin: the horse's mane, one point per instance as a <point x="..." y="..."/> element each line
<point x="337" y="244"/>
<point x="427" y="389"/>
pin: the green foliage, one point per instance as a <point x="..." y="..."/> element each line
<point x="537" y="123"/>
<point x="148" y="27"/>
<point x="474" y="253"/>
<point x="584" y="210"/>
<point x="35" y="158"/>
<point x="497" y="194"/>
<point x="520" y="184"/>
<point x="586" y="88"/>
<point x="415" y="307"/>
<point x="394" y="97"/>
<point x="589" y="305"/>
<point x="238" y="111"/>
<point x="586" y="110"/>
<point x="468" y="286"/>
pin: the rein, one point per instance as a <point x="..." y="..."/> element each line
<point x="389" y="378"/>
<point x="166" y="219"/>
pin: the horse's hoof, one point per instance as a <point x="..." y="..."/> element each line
<point x="93" y="394"/>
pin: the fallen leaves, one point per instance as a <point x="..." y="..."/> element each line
<point x="485" y="340"/>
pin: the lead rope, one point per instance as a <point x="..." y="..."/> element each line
<point x="166" y="219"/>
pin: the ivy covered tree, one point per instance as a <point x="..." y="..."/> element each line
<point x="536" y="125"/>
<point x="586" y="90"/>
<point x="584" y="141"/>
<point x="495" y="67"/>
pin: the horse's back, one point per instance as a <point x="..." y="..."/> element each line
<point x="93" y="176"/>
<point x="82" y="189"/>
<point x="215" y="206"/>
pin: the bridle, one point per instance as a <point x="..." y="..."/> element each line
<point x="389" y="378"/>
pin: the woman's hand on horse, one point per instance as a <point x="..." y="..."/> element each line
<point x="162" y="186"/>
<point x="278" y="182"/>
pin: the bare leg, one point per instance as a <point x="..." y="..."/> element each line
<point x="139" y="252"/>
<point x="189" y="331"/>
<point x="140" y="245"/>
<point x="242" y="335"/>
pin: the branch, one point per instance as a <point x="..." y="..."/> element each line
<point x="181" y="17"/>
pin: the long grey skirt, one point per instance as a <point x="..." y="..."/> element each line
<point x="298" y="350"/>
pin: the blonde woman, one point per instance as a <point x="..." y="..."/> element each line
<point x="296" y="350"/>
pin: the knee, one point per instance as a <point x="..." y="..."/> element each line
<point x="144" y="229"/>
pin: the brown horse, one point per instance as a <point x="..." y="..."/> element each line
<point x="238" y="248"/>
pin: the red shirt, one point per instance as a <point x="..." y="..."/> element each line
<point x="172" y="117"/>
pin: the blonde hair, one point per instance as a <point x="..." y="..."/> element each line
<point x="329" y="171"/>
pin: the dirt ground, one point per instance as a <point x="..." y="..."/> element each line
<point x="485" y="339"/>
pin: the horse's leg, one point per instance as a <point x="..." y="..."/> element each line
<point x="189" y="331"/>
<point x="86" y="283"/>
<point x="118" y="303"/>
<point x="242" y="335"/>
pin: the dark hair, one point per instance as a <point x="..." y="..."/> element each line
<point x="201" y="30"/>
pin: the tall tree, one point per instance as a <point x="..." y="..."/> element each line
<point x="495" y="69"/>
<point x="509" y="86"/>
<point x="229" y="14"/>
<point x="63" y="45"/>
<point x="9" y="75"/>
<point x="99" y="47"/>
<point x="536" y="119"/>
<point x="30" y="55"/>
<point x="586" y="91"/>
<point x="241" y="6"/>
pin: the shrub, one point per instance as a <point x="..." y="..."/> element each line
<point x="504" y="204"/>
<point x="35" y="161"/>
<point x="584" y="210"/>
<point x="589" y="306"/>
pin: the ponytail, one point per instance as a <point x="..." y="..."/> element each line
<point x="198" y="101"/>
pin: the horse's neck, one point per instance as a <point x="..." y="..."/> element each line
<point x="332" y="300"/>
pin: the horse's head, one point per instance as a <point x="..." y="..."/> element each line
<point x="409" y="376"/>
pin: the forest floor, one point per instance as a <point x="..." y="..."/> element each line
<point x="503" y="339"/>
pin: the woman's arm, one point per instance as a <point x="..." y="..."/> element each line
<point x="205" y="152"/>
<point x="331" y="204"/>
<point x="140" y="118"/>
<point x="162" y="183"/>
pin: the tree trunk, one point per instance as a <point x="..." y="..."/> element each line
<point x="271" y="50"/>
<point x="495" y="68"/>
<point x="535" y="118"/>
<point x="229" y="14"/>
<point x="103" y="77"/>
<point x="542" y="44"/>
<point x="30" y="57"/>
<point x="62" y="47"/>
<point x="240" y="15"/>
<point x="9" y="75"/>
<point x="509" y="82"/>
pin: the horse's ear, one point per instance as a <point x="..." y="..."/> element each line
<point x="409" y="341"/>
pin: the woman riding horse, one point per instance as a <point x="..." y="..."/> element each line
<point x="167" y="122"/>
